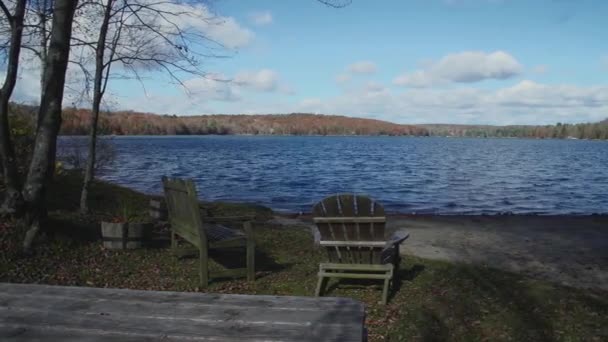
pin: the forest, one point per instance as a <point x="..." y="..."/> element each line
<point x="76" y="121"/>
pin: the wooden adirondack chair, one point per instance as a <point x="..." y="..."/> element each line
<point x="204" y="232"/>
<point x="352" y="230"/>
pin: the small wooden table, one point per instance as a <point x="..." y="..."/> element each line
<point x="60" y="313"/>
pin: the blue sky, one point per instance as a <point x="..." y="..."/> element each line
<point x="434" y="61"/>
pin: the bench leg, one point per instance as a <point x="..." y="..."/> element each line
<point x="250" y="259"/>
<point x="320" y="286"/>
<point x="173" y="242"/>
<point x="203" y="270"/>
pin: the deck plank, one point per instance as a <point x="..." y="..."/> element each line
<point x="57" y="313"/>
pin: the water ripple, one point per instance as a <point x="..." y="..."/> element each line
<point x="423" y="175"/>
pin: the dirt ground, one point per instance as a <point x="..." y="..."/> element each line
<point x="569" y="250"/>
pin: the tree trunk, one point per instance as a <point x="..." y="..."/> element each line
<point x="89" y="174"/>
<point x="50" y="118"/>
<point x="100" y="49"/>
<point x="43" y="7"/>
<point x="43" y="41"/>
<point x="13" y="200"/>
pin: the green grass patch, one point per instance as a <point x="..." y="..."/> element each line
<point x="433" y="301"/>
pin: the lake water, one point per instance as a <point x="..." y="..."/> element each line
<point x="421" y="175"/>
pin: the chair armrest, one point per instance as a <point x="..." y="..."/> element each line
<point x="397" y="238"/>
<point x="248" y="229"/>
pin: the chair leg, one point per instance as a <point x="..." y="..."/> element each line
<point x="388" y="282"/>
<point x="203" y="270"/>
<point x="250" y="259"/>
<point x="385" y="291"/>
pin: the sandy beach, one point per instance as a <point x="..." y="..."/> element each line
<point x="568" y="250"/>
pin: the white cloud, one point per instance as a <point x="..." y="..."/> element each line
<point x="214" y="87"/>
<point x="529" y="94"/>
<point x="362" y="67"/>
<point x="343" y="78"/>
<point x="261" y="18"/>
<point x="286" y="89"/>
<point x="525" y="102"/>
<point x="417" y="79"/>
<point x="540" y="69"/>
<point x="374" y="87"/>
<point x="261" y="80"/>
<point x="353" y="70"/>
<point x="604" y="62"/>
<point x="231" y="34"/>
<point x="198" y="18"/>
<point x="463" y="67"/>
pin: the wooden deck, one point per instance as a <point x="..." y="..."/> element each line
<point x="59" y="313"/>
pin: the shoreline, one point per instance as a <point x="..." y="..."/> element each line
<point x="315" y="136"/>
<point x="395" y="214"/>
<point x="565" y="250"/>
<point x="400" y="215"/>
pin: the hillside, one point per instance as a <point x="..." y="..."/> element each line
<point x="130" y="123"/>
<point x="76" y="122"/>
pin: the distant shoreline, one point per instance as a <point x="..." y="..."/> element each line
<point x="309" y="136"/>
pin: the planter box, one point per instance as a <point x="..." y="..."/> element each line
<point x="123" y="235"/>
<point x="158" y="210"/>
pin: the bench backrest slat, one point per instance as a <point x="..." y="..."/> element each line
<point x="184" y="212"/>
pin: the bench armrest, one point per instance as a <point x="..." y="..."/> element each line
<point x="245" y="221"/>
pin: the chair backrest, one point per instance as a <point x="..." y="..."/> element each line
<point x="352" y="228"/>
<point x="183" y="209"/>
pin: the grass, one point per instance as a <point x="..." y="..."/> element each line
<point x="433" y="301"/>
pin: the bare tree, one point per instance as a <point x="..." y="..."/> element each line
<point x="50" y="117"/>
<point x="139" y="35"/>
<point x="7" y="152"/>
<point x="100" y="82"/>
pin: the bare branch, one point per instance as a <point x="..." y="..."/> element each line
<point x="6" y="12"/>
<point x="335" y="4"/>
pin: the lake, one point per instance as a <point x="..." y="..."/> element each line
<point x="408" y="175"/>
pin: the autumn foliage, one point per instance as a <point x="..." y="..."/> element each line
<point x="76" y="121"/>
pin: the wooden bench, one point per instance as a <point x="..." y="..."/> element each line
<point x="58" y="313"/>
<point x="352" y="230"/>
<point x="205" y="233"/>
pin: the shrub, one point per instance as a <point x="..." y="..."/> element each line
<point x="74" y="153"/>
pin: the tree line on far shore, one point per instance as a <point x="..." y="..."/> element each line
<point x="75" y="122"/>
